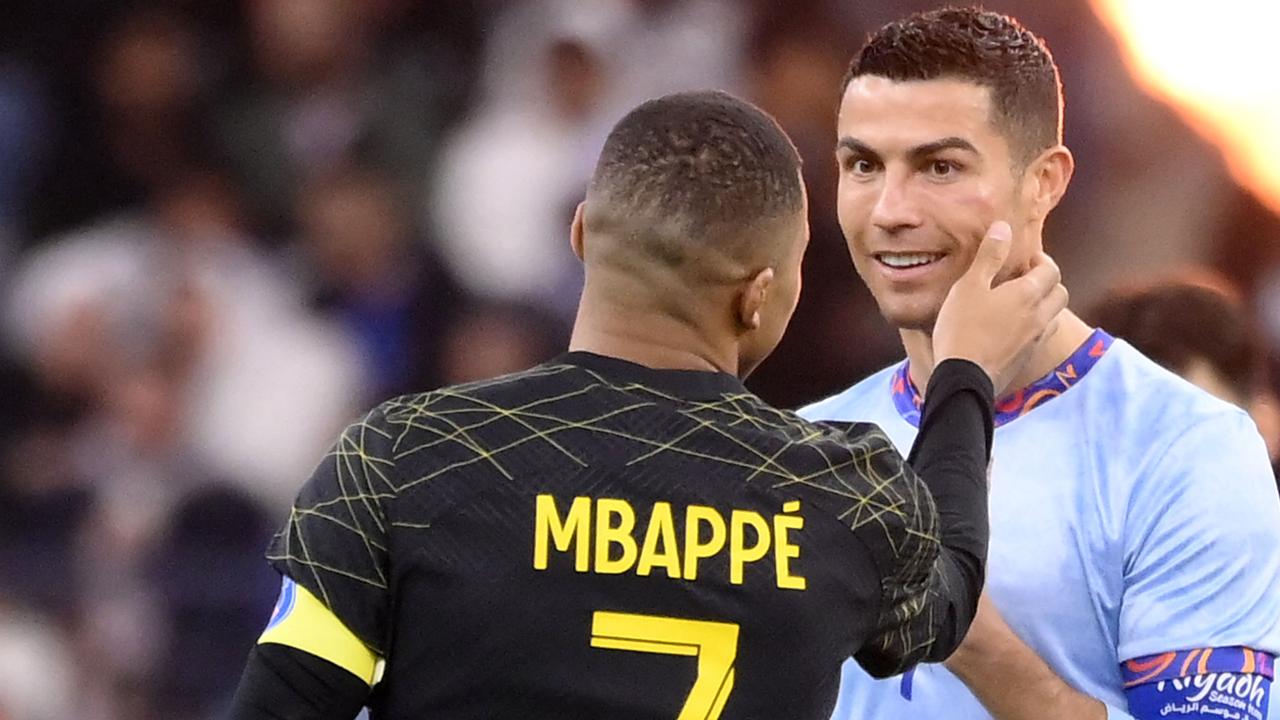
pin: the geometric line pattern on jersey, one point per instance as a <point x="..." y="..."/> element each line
<point x="498" y="427"/>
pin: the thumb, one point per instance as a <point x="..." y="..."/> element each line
<point x="992" y="253"/>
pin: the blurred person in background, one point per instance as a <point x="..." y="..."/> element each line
<point x="39" y="666"/>
<point x="160" y="327"/>
<point x="172" y="303"/>
<point x="213" y="592"/>
<point x="558" y="73"/>
<point x="322" y="91"/>
<point x="1197" y="325"/>
<point x="661" y="46"/>
<point x="512" y="173"/>
<point x="373" y="274"/>
<point x="140" y="114"/>
<point x="489" y="338"/>
<point x="24" y="115"/>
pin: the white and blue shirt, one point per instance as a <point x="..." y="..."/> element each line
<point x="1135" y="540"/>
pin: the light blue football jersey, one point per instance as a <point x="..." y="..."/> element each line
<point x="1131" y="514"/>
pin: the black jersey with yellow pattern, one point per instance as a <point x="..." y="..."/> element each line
<point x="592" y="538"/>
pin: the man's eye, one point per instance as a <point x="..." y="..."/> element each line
<point x="942" y="168"/>
<point x="862" y="166"/>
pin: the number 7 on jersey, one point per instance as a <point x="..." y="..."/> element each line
<point x="715" y="644"/>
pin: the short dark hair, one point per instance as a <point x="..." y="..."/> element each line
<point x="1178" y="320"/>
<point x="694" y="164"/>
<point x="983" y="47"/>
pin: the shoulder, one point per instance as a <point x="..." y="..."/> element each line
<point x="542" y="384"/>
<point x="1153" y="406"/>
<point x="1193" y="458"/>
<point x="855" y="401"/>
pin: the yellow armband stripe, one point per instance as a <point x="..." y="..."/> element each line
<point x="301" y="621"/>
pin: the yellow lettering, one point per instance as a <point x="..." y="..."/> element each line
<point x="608" y="534"/>
<point x="694" y="548"/>
<point x="576" y="527"/>
<point x="784" y="550"/>
<point x="662" y="528"/>
<point x="739" y="553"/>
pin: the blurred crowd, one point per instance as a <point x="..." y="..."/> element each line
<point x="226" y="227"/>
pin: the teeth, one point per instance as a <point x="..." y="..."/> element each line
<point x="906" y="260"/>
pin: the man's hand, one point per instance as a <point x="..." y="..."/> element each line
<point x="998" y="327"/>
<point x="1010" y="680"/>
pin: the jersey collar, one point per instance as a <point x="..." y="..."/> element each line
<point x="907" y="399"/>
<point x="686" y="384"/>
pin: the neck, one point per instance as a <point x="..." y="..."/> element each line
<point x="1051" y="351"/>
<point x="648" y="336"/>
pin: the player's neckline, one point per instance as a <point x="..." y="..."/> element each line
<point x="908" y="401"/>
<point x="687" y="384"/>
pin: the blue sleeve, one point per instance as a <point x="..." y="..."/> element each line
<point x="1202" y="529"/>
<point x="1232" y="683"/>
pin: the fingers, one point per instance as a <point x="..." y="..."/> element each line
<point x="992" y="253"/>
<point x="1043" y="277"/>
<point x="1052" y="304"/>
<point x="1059" y="299"/>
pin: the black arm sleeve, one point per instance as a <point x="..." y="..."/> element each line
<point x="928" y="615"/>
<point x="951" y="455"/>
<point x="284" y="683"/>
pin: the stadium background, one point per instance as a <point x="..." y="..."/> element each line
<point x="227" y="226"/>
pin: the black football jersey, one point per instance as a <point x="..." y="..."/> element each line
<point x="595" y="539"/>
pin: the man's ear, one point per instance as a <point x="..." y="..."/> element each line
<point x="1047" y="180"/>
<point x="575" y="231"/>
<point x="752" y="299"/>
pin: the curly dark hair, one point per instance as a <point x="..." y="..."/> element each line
<point x="987" y="48"/>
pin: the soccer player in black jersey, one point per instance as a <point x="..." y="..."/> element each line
<point x="626" y="531"/>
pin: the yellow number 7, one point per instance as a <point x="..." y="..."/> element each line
<point x="715" y="644"/>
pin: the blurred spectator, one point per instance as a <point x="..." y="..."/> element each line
<point x="45" y="500"/>
<point x="376" y="279"/>
<point x="323" y="92"/>
<point x="512" y="175"/>
<point x="663" y="46"/>
<point x="215" y="593"/>
<point x="141" y="121"/>
<point x="23" y="115"/>
<point x="490" y="339"/>
<point x="1198" y="326"/>
<point x="171" y="310"/>
<point x="558" y="74"/>
<point x="38" y="667"/>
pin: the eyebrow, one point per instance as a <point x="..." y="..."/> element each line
<point x="917" y="152"/>
<point x="859" y="147"/>
<point x="947" y="143"/>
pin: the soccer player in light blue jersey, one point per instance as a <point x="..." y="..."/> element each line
<point x="1134" y="564"/>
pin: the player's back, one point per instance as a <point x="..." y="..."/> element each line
<point x="595" y="539"/>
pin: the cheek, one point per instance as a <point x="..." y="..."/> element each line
<point x="853" y="209"/>
<point x="965" y="212"/>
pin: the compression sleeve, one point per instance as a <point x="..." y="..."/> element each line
<point x="927" y="614"/>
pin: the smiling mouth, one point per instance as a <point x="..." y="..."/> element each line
<point x="906" y="261"/>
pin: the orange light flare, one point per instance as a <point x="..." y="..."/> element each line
<point x="1216" y="64"/>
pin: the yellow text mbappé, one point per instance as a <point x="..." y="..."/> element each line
<point x="608" y="536"/>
